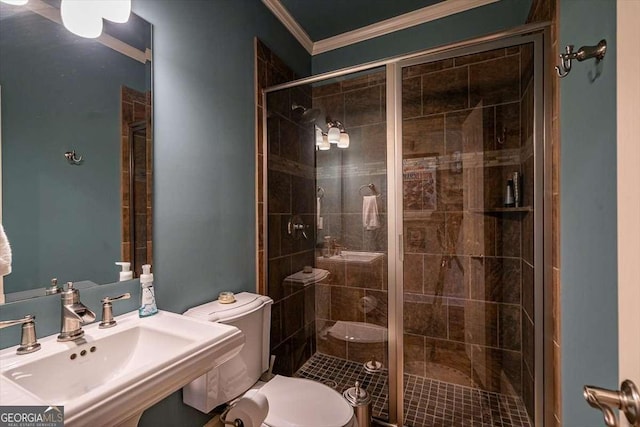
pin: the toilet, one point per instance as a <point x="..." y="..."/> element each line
<point x="292" y="401"/>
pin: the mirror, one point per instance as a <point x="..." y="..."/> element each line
<point x="72" y="218"/>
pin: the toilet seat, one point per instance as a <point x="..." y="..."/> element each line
<point x="304" y="403"/>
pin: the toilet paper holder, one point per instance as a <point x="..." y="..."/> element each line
<point x="235" y="423"/>
<point x="248" y="411"/>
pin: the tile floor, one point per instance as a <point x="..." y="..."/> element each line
<point x="428" y="402"/>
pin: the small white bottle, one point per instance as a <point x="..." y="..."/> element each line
<point x="126" y="273"/>
<point x="148" y="305"/>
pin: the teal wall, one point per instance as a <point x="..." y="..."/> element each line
<point x="204" y="139"/>
<point x="61" y="92"/>
<point x="475" y="22"/>
<point x="204" y="221"/>
<point x="204" y="159"/>
<point x="588" y="212"/>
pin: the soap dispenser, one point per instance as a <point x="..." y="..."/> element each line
<point x="126" y="273"/>
<point x="148" y="305"/>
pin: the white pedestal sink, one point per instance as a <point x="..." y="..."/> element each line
<point x="110" y="376"/>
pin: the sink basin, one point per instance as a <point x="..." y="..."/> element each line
<point x="356" y="257"/>
<point x="110" y="376"/>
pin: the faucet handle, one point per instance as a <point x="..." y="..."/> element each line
<point x="54" y="288"/>
<point x="107" y="310"/>
<point x="28" y="342"/>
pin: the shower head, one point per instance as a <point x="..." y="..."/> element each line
<point x="309" y="115"/>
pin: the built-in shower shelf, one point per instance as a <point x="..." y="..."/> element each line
<point x="522" y="209"/>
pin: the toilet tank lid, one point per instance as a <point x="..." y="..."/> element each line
<point x="215" y="311"/>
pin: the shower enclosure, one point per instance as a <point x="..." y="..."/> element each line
<point x="424" y="229"/>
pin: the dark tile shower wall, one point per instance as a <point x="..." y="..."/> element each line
<point x="467" y="121"/>
<point x="360" y="104"/>
<point x="290" y="191"/>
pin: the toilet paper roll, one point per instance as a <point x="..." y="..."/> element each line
<point x="252" y="409"/>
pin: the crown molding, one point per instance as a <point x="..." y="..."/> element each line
<point x="290" y="23"/>
<point x="397" y="23"/>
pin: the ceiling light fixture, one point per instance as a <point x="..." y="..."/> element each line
<point x="15" y="2"/>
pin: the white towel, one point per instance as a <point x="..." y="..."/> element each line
<point x="370" y="219"/>
<point x="316" y="275"/>
<point x="5" y="253"/>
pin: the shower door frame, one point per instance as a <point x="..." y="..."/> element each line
<point x="539" y="35"/>
<point x="542" y="154"/>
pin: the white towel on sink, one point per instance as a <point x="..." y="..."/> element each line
<point x="5" y="253"/>
<point x="370" y="220"/>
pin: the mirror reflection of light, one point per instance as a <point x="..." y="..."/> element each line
<point x="84" y="17"/>
<point x="333" y="135"/>
<point x="324" y="146"/>
<point x="15" y="2"/>
<point x="115" y="10"/>
<point x="344" y="140"/>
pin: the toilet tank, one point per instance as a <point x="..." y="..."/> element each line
<point x="251" y="313"/>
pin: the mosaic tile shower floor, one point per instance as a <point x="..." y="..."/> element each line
<point x="428" y="403"/>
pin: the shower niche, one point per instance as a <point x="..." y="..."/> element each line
<point x="427" y="276"/>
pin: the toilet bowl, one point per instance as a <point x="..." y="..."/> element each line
<point x="292" y="401"/>
<point x="304" y="403"/>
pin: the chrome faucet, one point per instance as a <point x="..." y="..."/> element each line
<point x="107" y="310"/>
<point x="336" y="248"/>
<point x="73" y="315"/>
<point x="28" y="341"/>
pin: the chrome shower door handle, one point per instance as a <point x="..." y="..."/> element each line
<point x="627" y="399"/>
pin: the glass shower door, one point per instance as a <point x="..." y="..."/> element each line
<point x="326" y="209"/>
<point x="468" y="214"/>
<point x="351" y="304"/>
